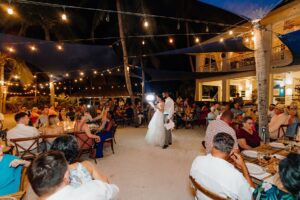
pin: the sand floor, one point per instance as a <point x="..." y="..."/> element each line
<point x="144" y="172"/>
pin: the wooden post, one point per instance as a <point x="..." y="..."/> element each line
<point x="2" y="63"/>
<point x="262" y="53"/>
<point x="52" y="92"/>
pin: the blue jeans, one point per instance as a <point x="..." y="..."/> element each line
<point x="99" y="146"/>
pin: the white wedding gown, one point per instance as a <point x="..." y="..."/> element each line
<point x="156" y="130"/>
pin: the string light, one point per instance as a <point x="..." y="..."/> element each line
<point x="51" y="75"/>
<point x="118" y="69"/>
<point x="76" y="80"/>
<point x="252" y="33"/>
<point x="34" y="76"/>
<point x="33" y="48"/>
<point x="146" y="23"/>
<point x="253" y="38"/>
<point x="67" y="75"/>
<point x="95" y="72"/>
<point x="101" y="74"/>
<point x="10" y="10"/>
<point x="221" y="40"/>
<point x="80" y="79"/>
<point x="171" y="41"/>
<point x="81" y="74"/>
<point x="230" y="32"/>
<point x="247" y="39"/>
<point x="59" y="47"/>
<point x="143" y="42"/>
<point x="11" y="49"/>
<point x="178" y="25"/>
<point x="206" y="28"/>
<point x="107" y="17"/>
<point x="197" y="40"/>
<point x="16" y="77"/>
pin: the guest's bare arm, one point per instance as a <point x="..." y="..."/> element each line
<point x="96" y="174"/>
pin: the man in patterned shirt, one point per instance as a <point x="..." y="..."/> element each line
<point x="218" y="126"/>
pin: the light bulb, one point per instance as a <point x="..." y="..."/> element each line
<point x="146" y="24"/>
<point x="64" y="17"/>
<point x="171" y="41"/>
<point x="81" y="74"/>
<point x="107" y="17"/>
<point x="59" y="47"/>
<point x="197" y="40"/>
<point x="230" y="32"/>
<point x="33" y="48"/>
<point x="95" y="72"/>
<point x="67" y="75"/>
<point x="11" y="49"/>
<point x="247" y="40"/>
<point x="221" y="39"/>
<point x="252" y="33"/>
<point x="206" y="29"/>
<point x="143" y="42"/>
<point x="10" y="10"/>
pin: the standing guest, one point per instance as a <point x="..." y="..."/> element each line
<point x="217" y="109"/>
<point x="271" y="111"/>
<point x="71" y="114"/>
<point x="288" y="181"/>
<point x="105" y="131"/>
<point x="52" y="111"/>
<point x="81" y="126"/>
<point x="22" y="130"/>
<point x="49" y="177"/>
<point x="43" y="118"/>
<point x="34" y="116"/>
<point x="10" y="173"/>
<point x="247" y="137"/>
<point x="238" y="99"/>
<point x="280" y="118"/>
<point x="63" y="115"/>
<point x="217" y="126"/>
<point x="219" y="176"/>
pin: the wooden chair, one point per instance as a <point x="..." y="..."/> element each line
<point x="22" y="189"/>
<point x="112" y="140"/>
<point x="45" y="141"/>
<point x="284" y="129"/>
<point x="26" y="153"/>
<point x="3" y="136"/>
<point x="86" y="145"/>
<point x="206" y="192"/>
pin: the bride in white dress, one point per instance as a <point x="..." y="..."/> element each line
<point x="156" y="130"/>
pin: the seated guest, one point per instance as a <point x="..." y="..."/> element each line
<point x="238" y="99"/>
<point x="80" y="172"/>
<point x="52" y="128"/>
<point x="10" y="173"/>
<point x="71" y="114"/>
<point x="219" y="176"/>
<point x="52" y="111"/>
<point x="22" y="130"/>
<point x="217" y="126"/>
<point x="288" y="181"/>
<point x="271" y="111"/>
<point x="34" y="116"/>
<point x="43" y="118"/>
<point x="211" y="115"/>
<point x="104" y="133"/>
<point x="236" y="110"/>
<point x="280" y="118"/>
<point x="292" y="122"/>
<point x="63" y="115"/>
<point x="88" y="116"/>
<point x="82" y="126"/>
<point x="49" y="178"/>
<point x="247" y="137"/>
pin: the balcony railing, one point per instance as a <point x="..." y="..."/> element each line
<point x="281" y="56"/>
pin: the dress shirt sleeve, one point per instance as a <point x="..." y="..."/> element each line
<point x="209" y="137"/>
<point x="170" y="109"/>
<point x="245" y="191"/>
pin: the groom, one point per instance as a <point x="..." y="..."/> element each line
<point x="168" y="115"/>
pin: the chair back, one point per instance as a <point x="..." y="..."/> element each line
<point x="23" y="152"/>
<point x="47" y="140"/>
<point x="205" y="191"/>
<point x="84" y="142"/>
<point x="3" y="136"/>
<point x="291" y="131"/>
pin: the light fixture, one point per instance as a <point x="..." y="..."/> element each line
<point x="146" y="23"/>
<point x="67" y="74"/>
<point x="143" y="42"/>
<point x="252" y="33"/>
<point x="171" y="40"/>
<point x="221" y="40"/>
<point x="75" y="80"/>
<point x="230" y="32"/>
<point x="33" y="48"/>
<point x="16" y="77"/>
<point x="34" y="76"/>
<point x="118" y="69"/>
<point x="81" y="74"/>
<point x="10" y="10"/>
<point x="95" y="72"/>
<point x="197" y="40"/>
<point x="11" y="49"/>
<point x="51" y="75"/>
<point x="127" y="68"/>
<point x="107" y="17"/>
<point x="59" y="47"/>
<point x="101" y="74"/>
<point x="253" y="38"/>
<point x="206" y="29"/>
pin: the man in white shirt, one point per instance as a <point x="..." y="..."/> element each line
<point x="49" y="178"/>
<point x="280" y="118"/>
<point x="168" y="115"/>
<point x="22" y="130"/>
<point x="216" y="174"/>
<point x="217" y="126"/>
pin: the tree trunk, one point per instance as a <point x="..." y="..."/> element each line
<point x="262" y="53"/>
<point x="2" y="63"/>
<point x="125" y="58"/>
